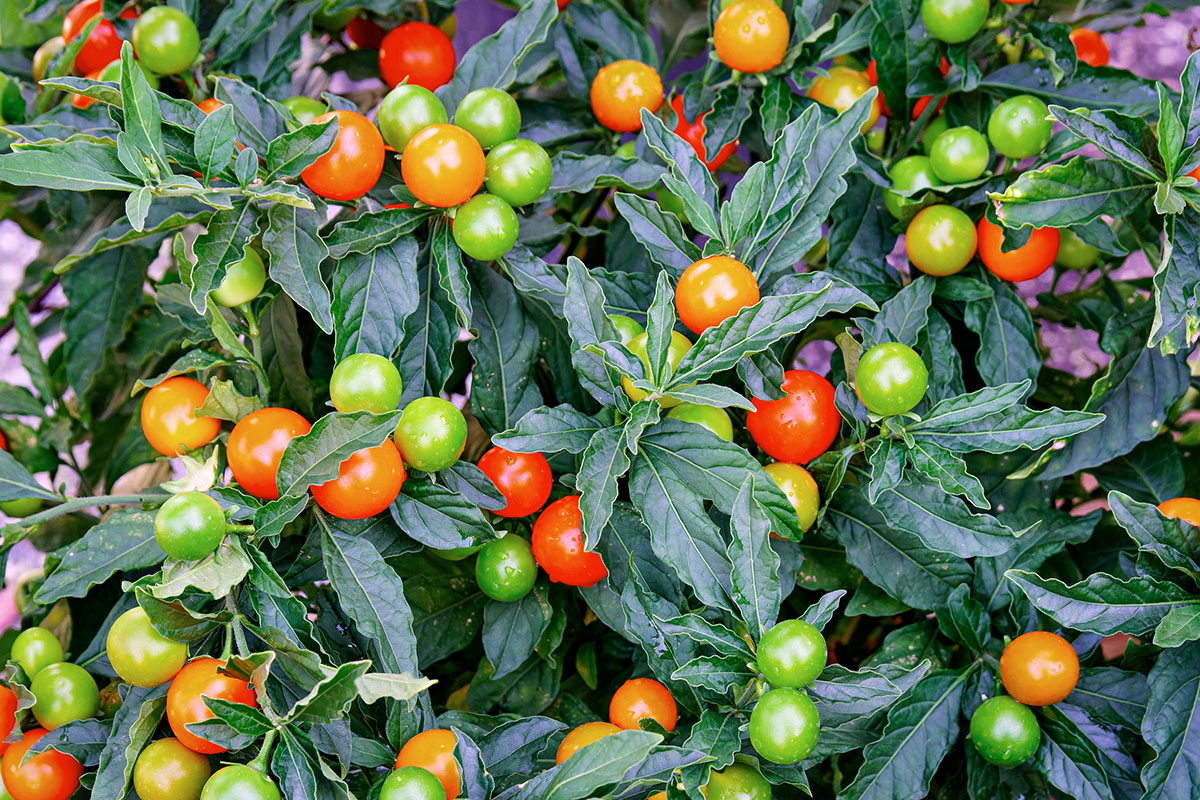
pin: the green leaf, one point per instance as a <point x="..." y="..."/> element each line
<point x="502" y="389"/>
<point x="451" y="273"/>
<point x="948" y="470"/>
<point x="920" y="730"/>
<point x="296" y="254"/>
<point x="82" y="739"/>
<point x="301" y="772"/>
<point x="897" y="562"/>
<point x="605" y="461"/>
<point x="1122" y="138"/>
<point x="1169" y="725"/>
<point x="102" y="292"/>
<point x="226" y="402"/>
<point x="1069" y="760"/>
<point x="549" y="430"/>
<point x="1177" y="284"/>
<point x="755" y="328"/>
<point x="1091" y="87"/>
<point x="16" y="482"/>
<point x="373" y="597"/>
<point x="965" y="620"/>
<point x="374" y="686"/>
<point x="943" y="522"/>
<point x="755" y="575"/>
<point x="439" y="517"/>
<point x="576" y="172"/>
<point x="495" y="61"/>
<point x="317" y="456"/>
<point x="214" y="142"/>
<point x="599" y="764"/>
<point x="429" y="337"/>
<point x="1102" y="603"/>
<point x="215" y="575"/>
<point x="363" y="233"/>
<point x="1072" y="193"/>
<point x="330" y="699"/>
<point x="511" y="630"/>
<point x="223" y="242"/>
<point x="1009" y="348"/>
<point x="123" y="542"/>
<point x="686" y="177"/>
<point x="720" y="674"/>
<point x="373" y="294"/>
<point x="1178" y="627"/>
<point x="1173" y="542"/>
<point x="139" y="106"/>
<point x="78" y="166"/>
<point x="902" y="318"/>
<point x="291" y="153"/>
<point x="133" y="726"/>
<point x="659" y="231"/>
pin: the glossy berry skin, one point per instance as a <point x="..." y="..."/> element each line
<point x="841" y="89"/>
<point x="1026" y="262"/>
<point x="1039" y="668"/>
<point x="1019" y="127"/>
<point x="936" y="127"/>
<point x="485" y="227"/>
<point x="558" y="545"/>
<point x="1090" y="47"/>
<point x="490" y="115"/>
<point x="367" y="483"/>
<point x="792" y="654"/>
<point x="751" y="35"/>
<point x="141" y="655"/>
<point x="693" y="133"/>
<point x="954" y="21"/>
<point x="365" y="382"/>
<point x="1182" y="508"/>
<point x="505" y="569"/>
<point x="676" y="350"/>
<point x="431" y="433"/>
<point x="642" y="698"/>
<point x="34" y="649"/>
<point x="166" y="40"/>
<point x="738" y="781"/>
<point x="103" y="44"/>
<point x="1075" y="253"/>
<point x="940" y="240"/>
<point x="419" y="52"/>
<point x="433" y="750"/>
<point x="8" y="715"/>
<point x="185" y="700"/>
<point x="304" y="109"/>
<point x="405" y="111"/>
<point x="209" y="105"/>
<point x="1005" y="732"/>
<point x="524" y="479"/>
<point x="518" y="172"/>
<point x="256" y="445"/>
<point x="364" y="33"/>
<point x="244" y="280"/>
<point x="189" y="526"/>
<point x="959" y="155"/>
<point x="714" y="419"/>
<point x="800" y="426"/>
<point x="621" y="90"/>
<point x="46" y="54"/>
<point x="166" y="770"/>
<point x="50" y="775"/>
<point x="65" y="692"/>
<point x="627" y="328"/>
<point x="580" y="737"/>
<point x="443" y="165"/>
<point x="891" y="379"/>
<point x="801" y="490"/>
<point x="412" y="783"/>
<point x="240" y="782"/>
<point x="169" y="418"/>
<point x="912" y="172"/>
<point x="353" y="165"/>
<point x="712" y="290"/>
<point x="784" y="726"/>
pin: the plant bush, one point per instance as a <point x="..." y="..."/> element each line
<point x="426" y="449"/>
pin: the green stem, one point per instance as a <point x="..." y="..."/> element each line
<point x="33" y="520"/>
<point x="264" y="754"/>
<point x="246" y="529"/>
<point x="227" y="651"/>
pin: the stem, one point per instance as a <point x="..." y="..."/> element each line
<point x="227" y="651"/>
<point x="253" y="333"/>
<point x="246" y="529"/>
<point x="264" y="754"/>
<point x="33" y="520"/>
